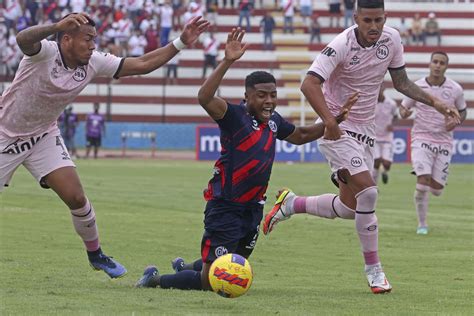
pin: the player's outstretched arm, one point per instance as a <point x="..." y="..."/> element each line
<point x="311" y="88"/>
<point x="157" y="58"/>
<point x="234" y="49"/>
<point x="306" y="134"/>
<point x="29" y="39"/>
<point x="404" y="85"/>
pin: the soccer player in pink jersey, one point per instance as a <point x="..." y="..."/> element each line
<point x="385" y="115"/>
<point x="432" y="136"/>
<point x="50" y="76"/>
<point x="355" y="61"/>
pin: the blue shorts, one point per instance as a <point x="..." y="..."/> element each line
<point x="230" y="228"/>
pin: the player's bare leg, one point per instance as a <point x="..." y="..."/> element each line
<point x="386" y="166"/>
<point x="375" y="173"/>
<point x="65" y="182"/>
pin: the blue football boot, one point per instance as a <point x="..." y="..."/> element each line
<point x="177" y="264"/>
<point x="150" y="277"/>
<point x="100" y="261"/>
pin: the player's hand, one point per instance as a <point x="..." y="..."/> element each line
<point x="447" y="111"/>
<point x="234" y="49"/>
<point x="404" y="112"/>
<point x="332" y="131"/>
<point x="450" y="123"/>
<point x="72" y="22"/>
<point x="193" y="29"/>
<point x="344" y="113"/>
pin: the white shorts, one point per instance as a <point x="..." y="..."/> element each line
<point x="353" y="151"/>
<point x="41" y="155"/>
<point x="431" y="159"/>
<point x="384" y="150"/>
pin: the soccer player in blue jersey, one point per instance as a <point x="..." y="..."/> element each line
<point x="236" y="194"/>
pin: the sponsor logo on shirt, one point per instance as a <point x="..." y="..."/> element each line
<point x="220" y="251"/>
<point x="80" y="74"/>
<point x="329" y="51"/>
<point x="382" y="52"/>
<point x="354" y="61"/>
<point x="355" y="49"/>
<point x="255" y="125"/>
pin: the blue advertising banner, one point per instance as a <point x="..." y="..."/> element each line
<point x="208" y="146"/>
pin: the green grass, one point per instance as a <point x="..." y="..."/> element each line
<point x="151" y="211"/>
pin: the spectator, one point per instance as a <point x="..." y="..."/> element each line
<point x="404" y="32"/>
<point x="172" y="70"/>
<point x="306" y="11"/>
<point x="245" y="8"/>
<point x="231" y="2"/>
<point x="11" y="12"/>
<point x="315" y="29"/>
<point x="177" y="6"/>
<point x="67" y="125"/>
<point x="77" y="5"/>
<point x="152" y="38"/>
<point x="164" y="12"/>
<point x="95" y="129"/>
<point x="212" y="11"/>
<point x="136" y="44"/>
<point x="432" y="28"/>
<point x="288" y="8"/>
<point x="211" y="50"/>
<point x="416" y="30"/>
<point x="334" y="12"/>
<point x="348" y="13"/>
<point x="267" y="24"/>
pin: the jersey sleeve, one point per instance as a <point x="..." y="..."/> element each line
<point x="48" y="49"/>
<point x="232" y="119"/>
<point x="107" y="65"/>
<point x="460" y="102"/>
<point x="328" y="59"/>
<point x="285" y="128"/>
<point x="397" y="61"/>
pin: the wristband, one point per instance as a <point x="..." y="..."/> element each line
<point x="178" y="43"/>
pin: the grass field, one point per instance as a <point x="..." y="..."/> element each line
<point x="151" y="211"/>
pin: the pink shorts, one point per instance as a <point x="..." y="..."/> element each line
<point x="41" y="155"/>
<point x="431" y="159"/>
<point x="384" y="150"/>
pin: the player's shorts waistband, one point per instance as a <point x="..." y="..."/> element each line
<point x="365" y="139"/>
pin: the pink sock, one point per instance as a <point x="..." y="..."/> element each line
<point x="367" y="225"/>
<point x="299" y="205"/>
<point x="84" y="223"/>
<point x="325" y="205"/>
<point x="421" y="203"/>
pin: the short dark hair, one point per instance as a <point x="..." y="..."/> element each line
<point x="257" y="77"/>
<point x="60" y="35"/>
<point x="370" y="4"/>
<point x="439" y="53"/>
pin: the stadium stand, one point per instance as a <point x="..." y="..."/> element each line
<point x="149" y="99"/>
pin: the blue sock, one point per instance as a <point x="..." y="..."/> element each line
<point x="183" y="280"/>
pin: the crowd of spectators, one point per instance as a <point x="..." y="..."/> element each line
<point x="135" y="27"/>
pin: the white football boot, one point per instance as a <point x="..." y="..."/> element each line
<point x="280" y="211"/>
<point x="378" y="283"/>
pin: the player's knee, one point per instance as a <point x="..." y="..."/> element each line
<point x="367" y="200"/>
<point x="421" y="192"/>
<point x="76" y="200"/>
<point x="387" y="165"/>
<point x="436" y="192"/>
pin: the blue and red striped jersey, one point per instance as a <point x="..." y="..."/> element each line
<point x="242" y="172"/>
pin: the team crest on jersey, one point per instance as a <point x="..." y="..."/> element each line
<point x="80" y="74"/>
<point x="273" y="126"/>
<point x="382" y="52"/>
<point x="255" y="125"/>
<point x="446" y="94"/>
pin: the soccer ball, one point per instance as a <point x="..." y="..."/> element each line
<point x="230" y="275"/>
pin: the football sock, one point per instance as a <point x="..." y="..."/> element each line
<point x="325" y="205"/>
<point x="85" y="225"/>
<point x="421" y="203"/>
<point x="366" y="224"/>
<point x="183" y="280"/>
<point x="375" y="175"/>
<point x="194" y="266"/>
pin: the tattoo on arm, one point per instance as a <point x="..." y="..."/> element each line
<point x="408" y="87"/>
<point x="29" y="39"/>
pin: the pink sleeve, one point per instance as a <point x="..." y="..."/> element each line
<point x="460" y="102"/>
<point x="47" y="50"/>
<point x="329" y="58"/>
<point x="107" y="65"/>
<point x="397" y="61"/>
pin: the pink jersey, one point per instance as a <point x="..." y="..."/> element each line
<point x="346" y="67"/>
<point x="385" y="112"/>
<point x="429" y="124"/>
<point x="44" y="86"/>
